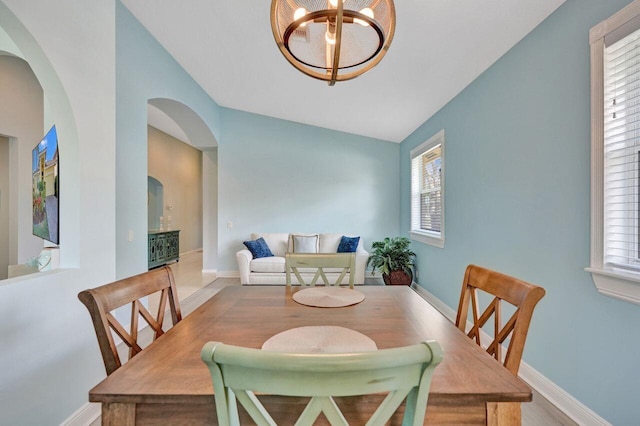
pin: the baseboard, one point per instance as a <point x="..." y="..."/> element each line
<point x="210" y="271"/>
<point x="442" y="307"/>
<point x="190" y="252"/>
<point x="574" y="409"/>
<point x="86" y="415"/>
<point x="570" y="406"/>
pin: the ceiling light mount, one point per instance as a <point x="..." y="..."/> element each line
<point x="333" y="40"/>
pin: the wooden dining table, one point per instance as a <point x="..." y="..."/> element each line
<point x="167" y="383"/>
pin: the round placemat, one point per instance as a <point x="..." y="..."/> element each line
<point x="328" y="297"/>
<point x="320" y="339"/>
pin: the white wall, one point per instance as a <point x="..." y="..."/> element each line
<point x="178" y="167"/>
<point x="7" y="45"/>
<point x="210" y="209"/>
<point x="21" y="119"/>
<point x="49" y="353"/>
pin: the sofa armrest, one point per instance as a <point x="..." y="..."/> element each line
<point x="361" y="264"/>
<point x="244" y="258"/>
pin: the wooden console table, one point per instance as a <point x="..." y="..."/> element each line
<point x="163" y="247"/>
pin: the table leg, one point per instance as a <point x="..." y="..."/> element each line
<point x="118" y="414"/>
<point x="503" y="414"/>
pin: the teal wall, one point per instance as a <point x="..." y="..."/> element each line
<point x="144" y="70"/>
<point x="518" y="199"/>
<point x="280" y="176"/>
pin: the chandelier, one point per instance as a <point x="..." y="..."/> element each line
<point x="333" y="40"/>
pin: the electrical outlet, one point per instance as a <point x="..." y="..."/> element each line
<point x="229" y="224"/>
<point x="130" y="235"/>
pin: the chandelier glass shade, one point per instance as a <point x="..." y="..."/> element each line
<point x="333" y="40"/>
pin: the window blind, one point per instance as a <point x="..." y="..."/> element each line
<point x="426" y="191"/>
<point x="622" y="153"/>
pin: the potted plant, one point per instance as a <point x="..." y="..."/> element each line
<point x="394" y="259"/>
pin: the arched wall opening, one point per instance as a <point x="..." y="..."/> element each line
<point x="21" y="124"/>
<point x="199" y="136"/>
<point x="17" y="44"/>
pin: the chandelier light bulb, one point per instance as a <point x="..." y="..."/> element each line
<point x="330" y="38"/>
<point x="367" y="11"/>
<point x="299" y="13"/>
<point x="333" y="3"/>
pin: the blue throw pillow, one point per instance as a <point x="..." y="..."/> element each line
<point x="348" y="244"/>
<point x="258" y="248"/>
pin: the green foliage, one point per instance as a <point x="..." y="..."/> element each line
<point x="391" y="254"/>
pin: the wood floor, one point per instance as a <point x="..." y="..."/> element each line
<point x="195" y="288"/>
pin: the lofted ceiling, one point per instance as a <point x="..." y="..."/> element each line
<point x="439" y="47"/>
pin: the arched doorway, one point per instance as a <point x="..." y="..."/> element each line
<point x="180" y="121"/>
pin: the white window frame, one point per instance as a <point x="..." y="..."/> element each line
<point x="431" y="238"/>
<point x="610" y="281"/>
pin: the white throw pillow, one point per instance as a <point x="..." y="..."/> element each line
<point x="305" y="243"/>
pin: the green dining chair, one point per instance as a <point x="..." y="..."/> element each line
<point x="403" y="373"/>
<point x="317" y="262"/>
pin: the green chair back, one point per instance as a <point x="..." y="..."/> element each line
<point x="318" y="262"/>
<point x="403" y="373"/>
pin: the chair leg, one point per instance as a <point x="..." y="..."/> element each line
<point x="234" y="419"/>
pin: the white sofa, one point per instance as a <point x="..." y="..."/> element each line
<point x="271" y="270"/>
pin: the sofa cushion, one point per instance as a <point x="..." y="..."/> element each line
<point x="329" y="242"/>
<point x="305" y="243"/>
<point x="268" y="264"/>
<point x="277" y="242"/>
<point x="258" y="248"/>
<point x="348" y="244"/>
